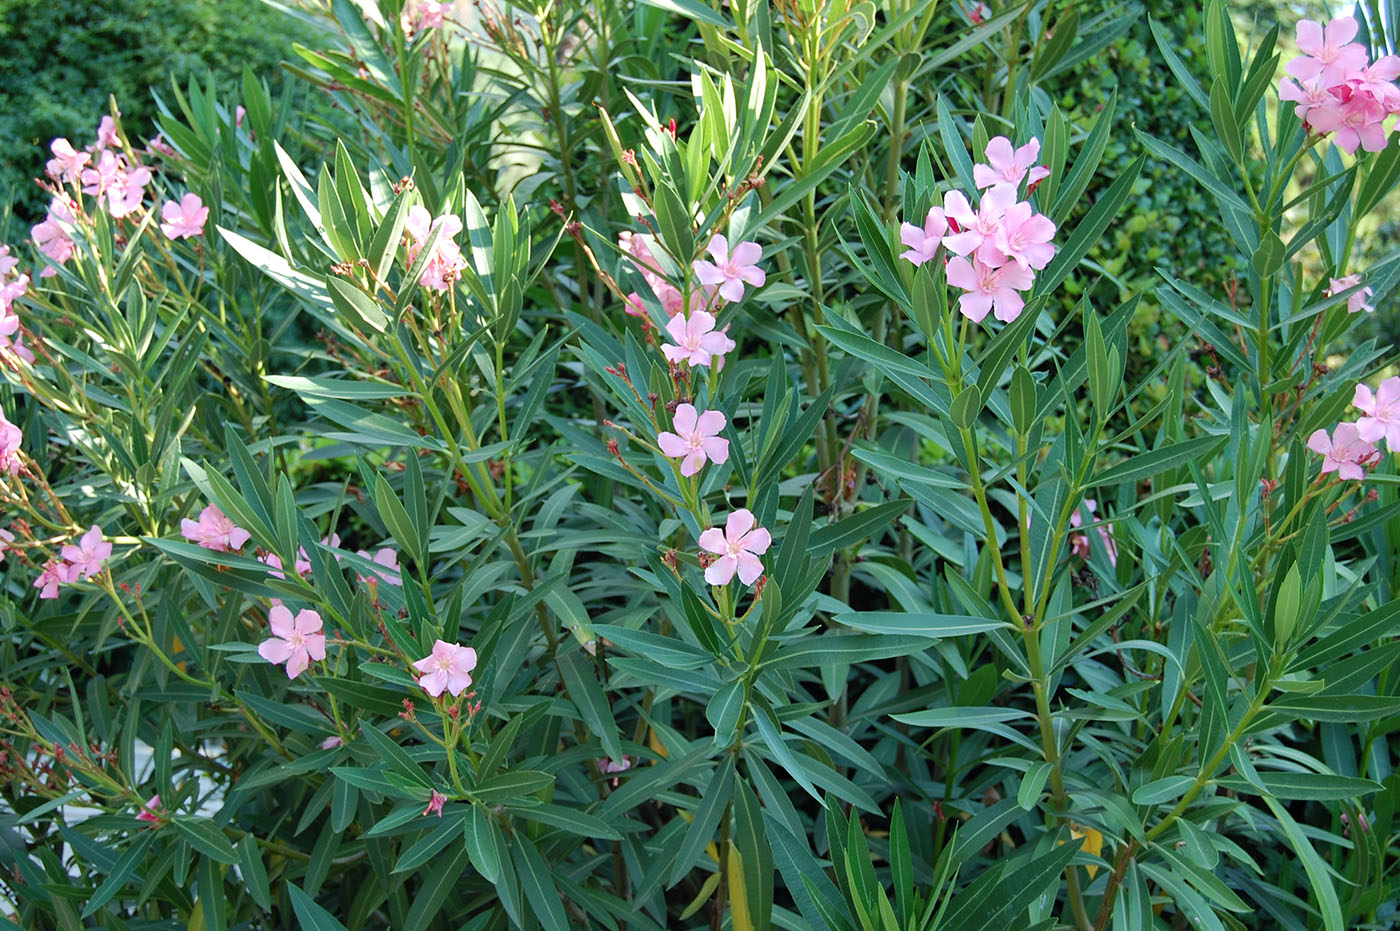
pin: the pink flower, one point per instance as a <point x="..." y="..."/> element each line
<point x="52" y="235"/>
<point x="696" y="438"/>
<point x="1329" y="53"/>
<point x="1356" y="121"/>
<point x="738" y="548"/>
<point x="1024" y="237"/>
<point x="611" y="767"/>
<point x="331" y="742"/>
<point x="668" y="294"/>
<point x="387" y="557"/>
<point x="158" y="144"/>
<point x="420" y="15"/>
<point x="1357" y="301"/>
<point x="106" y="173"/>
<point x="87" y="557"/>
<point x="8" y="263"/>
<point x="185" y="219"/>
<point x="1382" y="410"/>
<point x="447" y="668"/>
<point x="1008" y="167"/>
<point x="53" y="574"/>
<point x="214" y="531"/>
<point x="978" y="13"/>
<point x="1345" y="452"/>
<point x="730" y="270"/>
<point x="977" y="229"/>
<point x="6" y="538"/>
<point x="1308" y="95"/>
<point x="126" y="195"/>
<point x="239" y="111"/>
<point x="10" y="439"/>
<point x="1079" y="543"/>
<point x="923" y="243"/>
<point x="67" y="163"/>
<point x="697" y="341"/>
<point x="445" y="264"/>
<point x="989" y="289"/>
<point x="435" y="804"/>
<point x="10" y="292"/>
<point x="106" y="133"/>
<point x="148" y="811"/>
<point x="294" y="641"/>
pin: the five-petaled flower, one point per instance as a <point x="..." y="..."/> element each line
<point x="214" y="531"/>
<point x="295" y="641"/>
<point x="1006" y="166"/>
<point x="1382" y="413"/>
<point x="730" y="270"/>
<point x="448" y="668"/>
<point x="697" y="340"/>
<point x="989" y="289"/>
<point x="87" y="557"/>
<point x="184" y="219"/>
<point x="1344" y="452"/>
<point x="738" y="547"/>
<point x="696" y="439"/>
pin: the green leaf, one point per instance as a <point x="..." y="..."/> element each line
<point x="1268" y="258"/>
<point x="1314" y="865"/>
<point x="965" y="408"/>
<point x="569" y="819"/>
<point x="310" y="916"/>
<point x="1033" y="784"/>
<point x="1345" y="709"/>
<point x="692" y="10"/>
<point x="917" y="623"/>
<point x="1222" y="114"/>
<point x="862" y="525"/>
<point x="362" y="310"/>
<point x="1316" y="787"/>
<point x="537" y="882"/>
<point x="707" y="814"/>
<point x="254" y="874"/>
<point x="436" y="887"/>
<point x="122" y="872"/>
<point x="396" y="520"/>
<point x="206" y="838"/>
<point x="592" y="704"/>
<point x="829" y="649"/>
<point x="1161" y="790"/>
<point x="1156" y="461"/>
<point x="512" y="785"/>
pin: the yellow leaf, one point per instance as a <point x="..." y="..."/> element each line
<point x="738" y="893"/>
<point x="1093" y="844"/>
<point x="655" y="743"/>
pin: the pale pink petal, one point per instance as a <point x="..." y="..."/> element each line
<point x="721" y="571"/>
<point x="712" y="541"/>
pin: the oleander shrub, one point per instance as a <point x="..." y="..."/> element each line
<point x="678" y="464"/>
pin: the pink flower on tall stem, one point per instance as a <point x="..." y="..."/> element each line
<point x="185" y="219"/>
<point x="1382" y="413"/>
<point x="295" y="641"/>
<point x="923" y="243"/>
<point x="67" y="163"/>
<point x="696" y="439"/>
<point x="738" y="547"/>
<point x="1344" y="452"/>
<point x="697" y="340"/>
<point x="731" y="270"/>
<point x="448" y="668"/>
<point x="88" y="556"/>
<point x="214" y="531"/>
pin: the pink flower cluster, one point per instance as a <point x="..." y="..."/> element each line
<point x="12" y="288"/>
<point x="1339" y="90"/>
<point x="10" y="438"/>
<point x="694" y="438"/>
<point x="77" y="561"/>
<point x="421" y="15"/>
<point x="445" y="264"/>
<point x="996" y="248"/>
<point x="1351" y="449"/>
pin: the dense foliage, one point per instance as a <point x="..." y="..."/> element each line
<point x="679" y="464"/>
